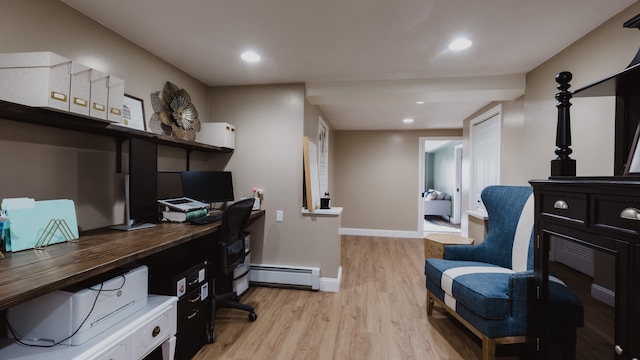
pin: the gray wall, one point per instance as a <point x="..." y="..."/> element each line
<point x="444" y="169"/>
<point x="428" y="171"/>
<point x="604" y="51"/>
<point x="377" y="177"/>
<point x="52" y="163"/>
<point x="270" y="125"/>
<point x="374" y="173"/>
<point x="529" y="123"/>
<point x="49" y="163"/>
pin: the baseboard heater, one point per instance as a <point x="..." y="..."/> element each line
<point x="306" y="277"/>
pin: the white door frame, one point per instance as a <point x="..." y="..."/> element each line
<point x="421" y="179"/>
<point x="457" y="199"/>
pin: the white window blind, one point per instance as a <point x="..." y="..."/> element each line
<point x="323" y="157"/>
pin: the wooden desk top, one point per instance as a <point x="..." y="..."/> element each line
<point x="27" y="274"/>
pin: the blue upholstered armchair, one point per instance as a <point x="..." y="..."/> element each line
<point x="489" y="287"/>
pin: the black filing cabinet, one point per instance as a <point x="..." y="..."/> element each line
<point x="191" y="285"/>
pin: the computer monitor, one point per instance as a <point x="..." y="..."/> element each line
<point x="141" y="207"/>
<point x="169" y="185"/>
<point x="207" y="186"/>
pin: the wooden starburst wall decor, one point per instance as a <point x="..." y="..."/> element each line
<point x="173" y="113"/>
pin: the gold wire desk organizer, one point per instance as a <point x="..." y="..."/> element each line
<point x="50" y="230"/>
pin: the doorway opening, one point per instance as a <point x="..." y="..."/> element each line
<point x="440" y="182"/>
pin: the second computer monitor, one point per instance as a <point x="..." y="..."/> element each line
<point x="207" y="186"/>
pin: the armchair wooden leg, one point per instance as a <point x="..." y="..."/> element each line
<point x="488" y="348"/>
<point x="429" y="304"/>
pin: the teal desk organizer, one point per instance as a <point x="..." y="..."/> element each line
<point x="35" y="224"/>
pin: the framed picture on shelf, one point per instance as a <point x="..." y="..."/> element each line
<point x="133" y="113"/>
<point x="633" y="161"/>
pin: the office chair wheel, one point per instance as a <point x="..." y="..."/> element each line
<point x="236" y="298"/>
<point x="253" y="316"/>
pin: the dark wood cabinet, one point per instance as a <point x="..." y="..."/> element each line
<point x="602" y="214"/>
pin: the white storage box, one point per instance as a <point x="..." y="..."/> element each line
<point x="242" y="268"/>
<point x="247" y="242"/>
<point x="40" y="79"/>
<point x="218" y="134"/>
<point x="80" y="89"/>
<point x="241" y="284"/>
<point x="54" y="317"/>
<point x="241" y="272"/>
<point x="115" y="99"/>
<point x="99" y="94"/>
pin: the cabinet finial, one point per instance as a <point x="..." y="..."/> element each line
<point x="563" y="165"/>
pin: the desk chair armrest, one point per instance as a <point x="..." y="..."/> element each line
<point x="222" y="260"/>
<point x="235" y="250"/>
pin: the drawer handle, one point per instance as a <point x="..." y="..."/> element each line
<point x="630" y="213"/>
<point x="156" y="331"/>
<point x="561" y="204"/>
<point x="80" y="102"/>
<point x="58" y="96"/>
<point x="98" y="107"/>
<point x="193" y="282"/>
<point x="195" y="300"/>
<point x="194" y="313"/>
<point x="618" y="349"/>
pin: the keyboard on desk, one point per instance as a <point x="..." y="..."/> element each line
<point x="208" y="219"/>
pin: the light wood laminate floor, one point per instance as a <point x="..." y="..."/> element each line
<point x="379" y="314"/>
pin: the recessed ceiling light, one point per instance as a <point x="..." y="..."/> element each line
<point x="419" y="102"/>
<point x="459" y="44"/>
<point x="250" y="56"/>
<point x="407" y="121"/>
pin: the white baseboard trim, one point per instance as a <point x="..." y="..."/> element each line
<point x="603" y="294"/>
<point x="331" y="284"/>
<point x="380" y="233"/>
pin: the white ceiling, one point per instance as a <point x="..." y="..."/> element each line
<point x="365" y="62"/>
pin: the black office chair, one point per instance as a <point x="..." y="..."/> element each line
<point x="229" y="252"/>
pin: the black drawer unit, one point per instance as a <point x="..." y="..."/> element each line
<point x="191" y="285"/>
<point x="192" y="323"/>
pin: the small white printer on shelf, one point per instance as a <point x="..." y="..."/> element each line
<point x="74" y="315"/>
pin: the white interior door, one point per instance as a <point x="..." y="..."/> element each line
<point x="485" y="155"/>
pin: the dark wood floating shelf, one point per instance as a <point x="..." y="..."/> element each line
<point x="70" y="121"/>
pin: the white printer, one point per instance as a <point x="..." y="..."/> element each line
<point x="75" y="315"/>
